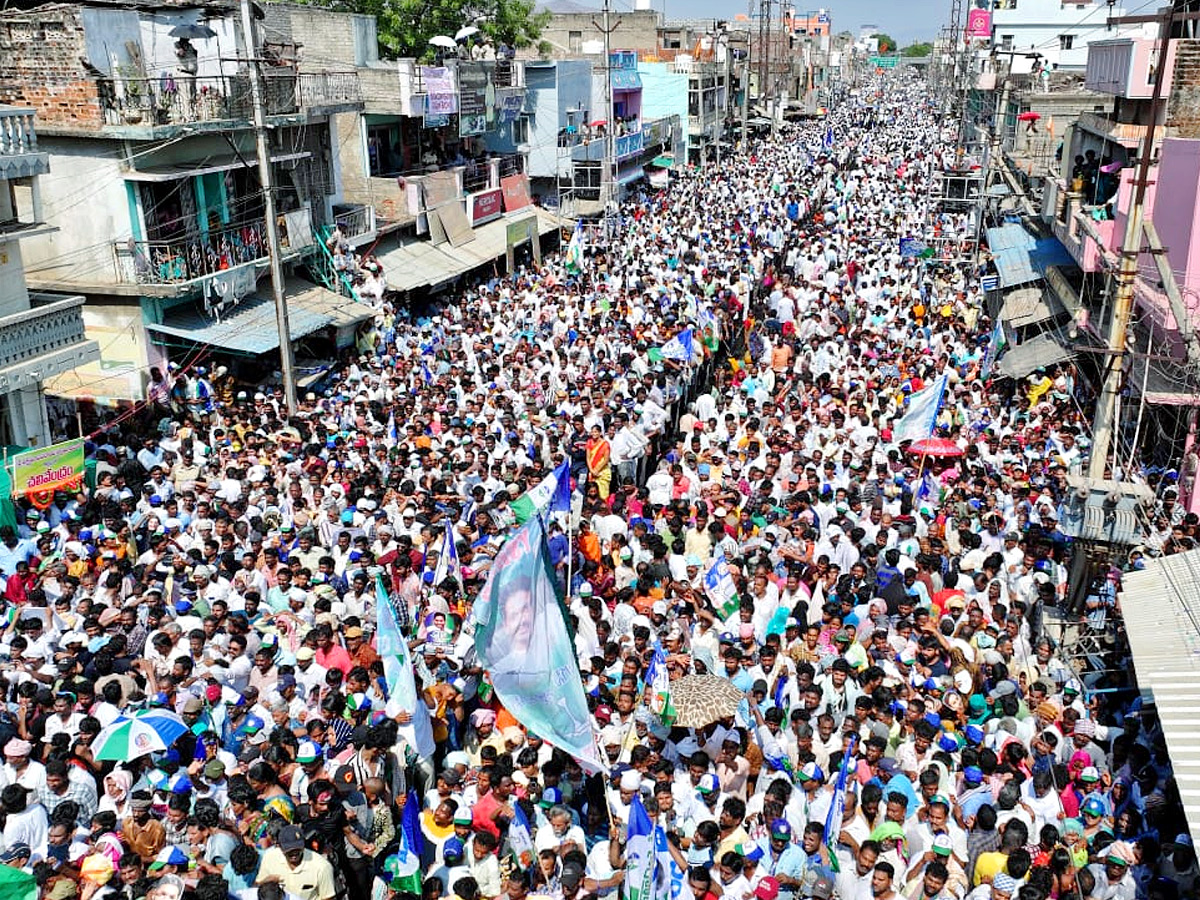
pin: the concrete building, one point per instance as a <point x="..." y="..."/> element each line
<point x="1059" y="32"/>
<point x="572" y="30"/>
<point x="41" y="335"/>
<point x="152" y="136"/>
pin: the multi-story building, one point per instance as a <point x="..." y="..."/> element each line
<point x="41" y="335"/>
<point x="1088" y="207"/>
<point x="1059" y="32"/>
<point x="146" y="115"/>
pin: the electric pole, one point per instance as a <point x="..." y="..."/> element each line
<point x="609" y="178"/>
<point x="265" y="178"/>
<point x="1106" y="408"/>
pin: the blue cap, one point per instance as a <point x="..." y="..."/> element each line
<point x="551" y="796"/>
<point x="973" y="775"/>
<point x="974" y="734"/>
<point x="160" y="699"/>
<point x="933" y="719"/>
<point x="781" y="828"/>
<point x="453" y="848"/>
<point x="948" y="743"/>
<point x="182" y="606"/>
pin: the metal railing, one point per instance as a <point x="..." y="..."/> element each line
<point x="174" y="262"/>
<point x="353" y="220"/>
<point x="17" y="133"/>
<point x="511" y="164"/>
<point x="181" y="100"/>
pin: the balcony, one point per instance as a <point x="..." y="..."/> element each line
<point x="1127" y="134"/>
<point x="1087" y="239"/>
<point x="356" y="221"/>
<point x="19" y="156"/>
<point x="186" y="259"/>
<point x="1127" y="67"/>
<point x="45" y="340"/>
<point x="222" y="100"/>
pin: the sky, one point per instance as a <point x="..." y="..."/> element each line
<point x="906" y="21"/>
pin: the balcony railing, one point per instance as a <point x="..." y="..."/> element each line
<point x="179" y="261"/>
<point x="38" y="332"/>
<point x="354" y="220"/>
<point x="172" y="100"/>
<point x="17" y="134"/>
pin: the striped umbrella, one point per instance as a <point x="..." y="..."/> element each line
<point x="131" y="737"/>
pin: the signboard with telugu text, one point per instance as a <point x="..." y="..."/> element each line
<point x="48" y="469"/>
<point x="486" y="205"/>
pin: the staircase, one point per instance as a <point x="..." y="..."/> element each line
<point x="325" y="271"/>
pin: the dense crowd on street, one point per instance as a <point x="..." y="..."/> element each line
<point x="885" y="636"/>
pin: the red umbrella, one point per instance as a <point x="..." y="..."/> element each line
<point x="1029" y="117"/>
<point x="932" y="446"/>
<point x="598" y="123"/>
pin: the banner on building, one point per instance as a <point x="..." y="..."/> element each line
<point x="516" y="191"/>
<point x="979" y="25"/>
<point x="485" y="206"/>
<point x="38" y="473"/>
<point x="510" y="107"/>
<point x="473" y="84"/>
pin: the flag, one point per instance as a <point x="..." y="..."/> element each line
<point x="641" y="860"/>
<point x="678" y="348"/>
<point x="553" y="492"/>
<point x="837" y="809"/>
<point x="660" y="686"/>
<point x="671" y="874"/>
<point x="447" y="563"/>
<point x="719" y="587"/>
<point x="17" y="885"/>
<point x="426" y="375"/>
<point x="912" y="247"/>
<point x="405" y="871"/>
<point x="996" y="344"/>
<point x="827" y="140"/>
<point x="398" y="671"/>
<point x="575" y="250"/>
<point x="918" y="421"/>
<point x="393" y="437"/>
<point x="520" y="838"/>
<point x="200" y="754"/>
<point x="521" y="638"/>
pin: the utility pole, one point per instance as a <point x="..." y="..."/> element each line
<point x="1106" y="408"/>
<point x="608" y="196"/>
<point x="286" y="364"/>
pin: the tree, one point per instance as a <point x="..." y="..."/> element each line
<point x="887" y="44"/>
<point x="405" y="26"/>
<point x="917" y="49"/>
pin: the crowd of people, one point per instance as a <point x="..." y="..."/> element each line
<point x="885" y="632"/>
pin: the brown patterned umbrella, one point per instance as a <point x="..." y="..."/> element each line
<point x="701" y="699"/>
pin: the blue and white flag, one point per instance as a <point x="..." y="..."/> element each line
<point x="827" y="140"/>
<point x="671" y="877"/>
<point x="678" y="348"/>
<point x="426" y="375"/>
<point x="837" y="809"/>
<point x="575" y="250"/>
<point x="520" y="838"/>
<point x="398" y="672"/>
<point x="912" y="247"/>
<point x="659" y="681"/>
<point x="996" y="344"/>
<point x="447" y="562"/>
<point x="406" y="876"/>
<point x="552" y="493"/>
<point x="642" y="881"/>
<point x="393" y="437"/>
<point x="918" y="421"/>
<point x="720" y="587"/>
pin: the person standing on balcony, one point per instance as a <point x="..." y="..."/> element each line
<point x="187" y="62"/>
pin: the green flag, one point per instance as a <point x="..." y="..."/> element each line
<point x="17" y="885"/>
<point x="522" y="641"/>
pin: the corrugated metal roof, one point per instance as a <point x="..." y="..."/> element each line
<point x="1025" y="306"/>
<point x="1161" y="606"/>
<point x="1020" y="257"/>
<point x="421" y="264"/>
<point x="250" y="326"/>
<point x="1036" y="353"/>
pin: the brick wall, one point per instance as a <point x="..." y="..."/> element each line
<point x="40" y="53"/>
<point x="1183" y="108"/>
<point x="327" y="37"/>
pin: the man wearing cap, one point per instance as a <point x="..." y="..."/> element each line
<point x="782" y="859"/>
<point x="19" y="768"/>
<point x="1114" y="881"/>
<point x="303" y="873"/>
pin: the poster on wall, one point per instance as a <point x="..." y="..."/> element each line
<point x="474" y="89"/>
<point x="516" y="191"/>
<point x="37" y="474"/>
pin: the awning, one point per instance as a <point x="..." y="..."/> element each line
<point x="1039" y="352"/>
<point x="1020" y="257"/>
<point x="1025" y="306"/>
<point x="1161" y="606"/>
<point x="665" y="161"/>
<point x="249" y="328"/>
<point x="422" y="264"/>
<point x="633" y="173"/>
<point x="626" y="80"/>
<point x="212" y="164"/>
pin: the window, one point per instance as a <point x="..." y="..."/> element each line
<point x="575" y="41"/>
<point x="520" y="130"/>
<point x="1066" y="41"/>
<point x="1006" y="42"/>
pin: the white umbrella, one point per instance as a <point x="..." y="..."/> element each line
<point x="442" y="41"/>
<point x="464" y="33"/>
